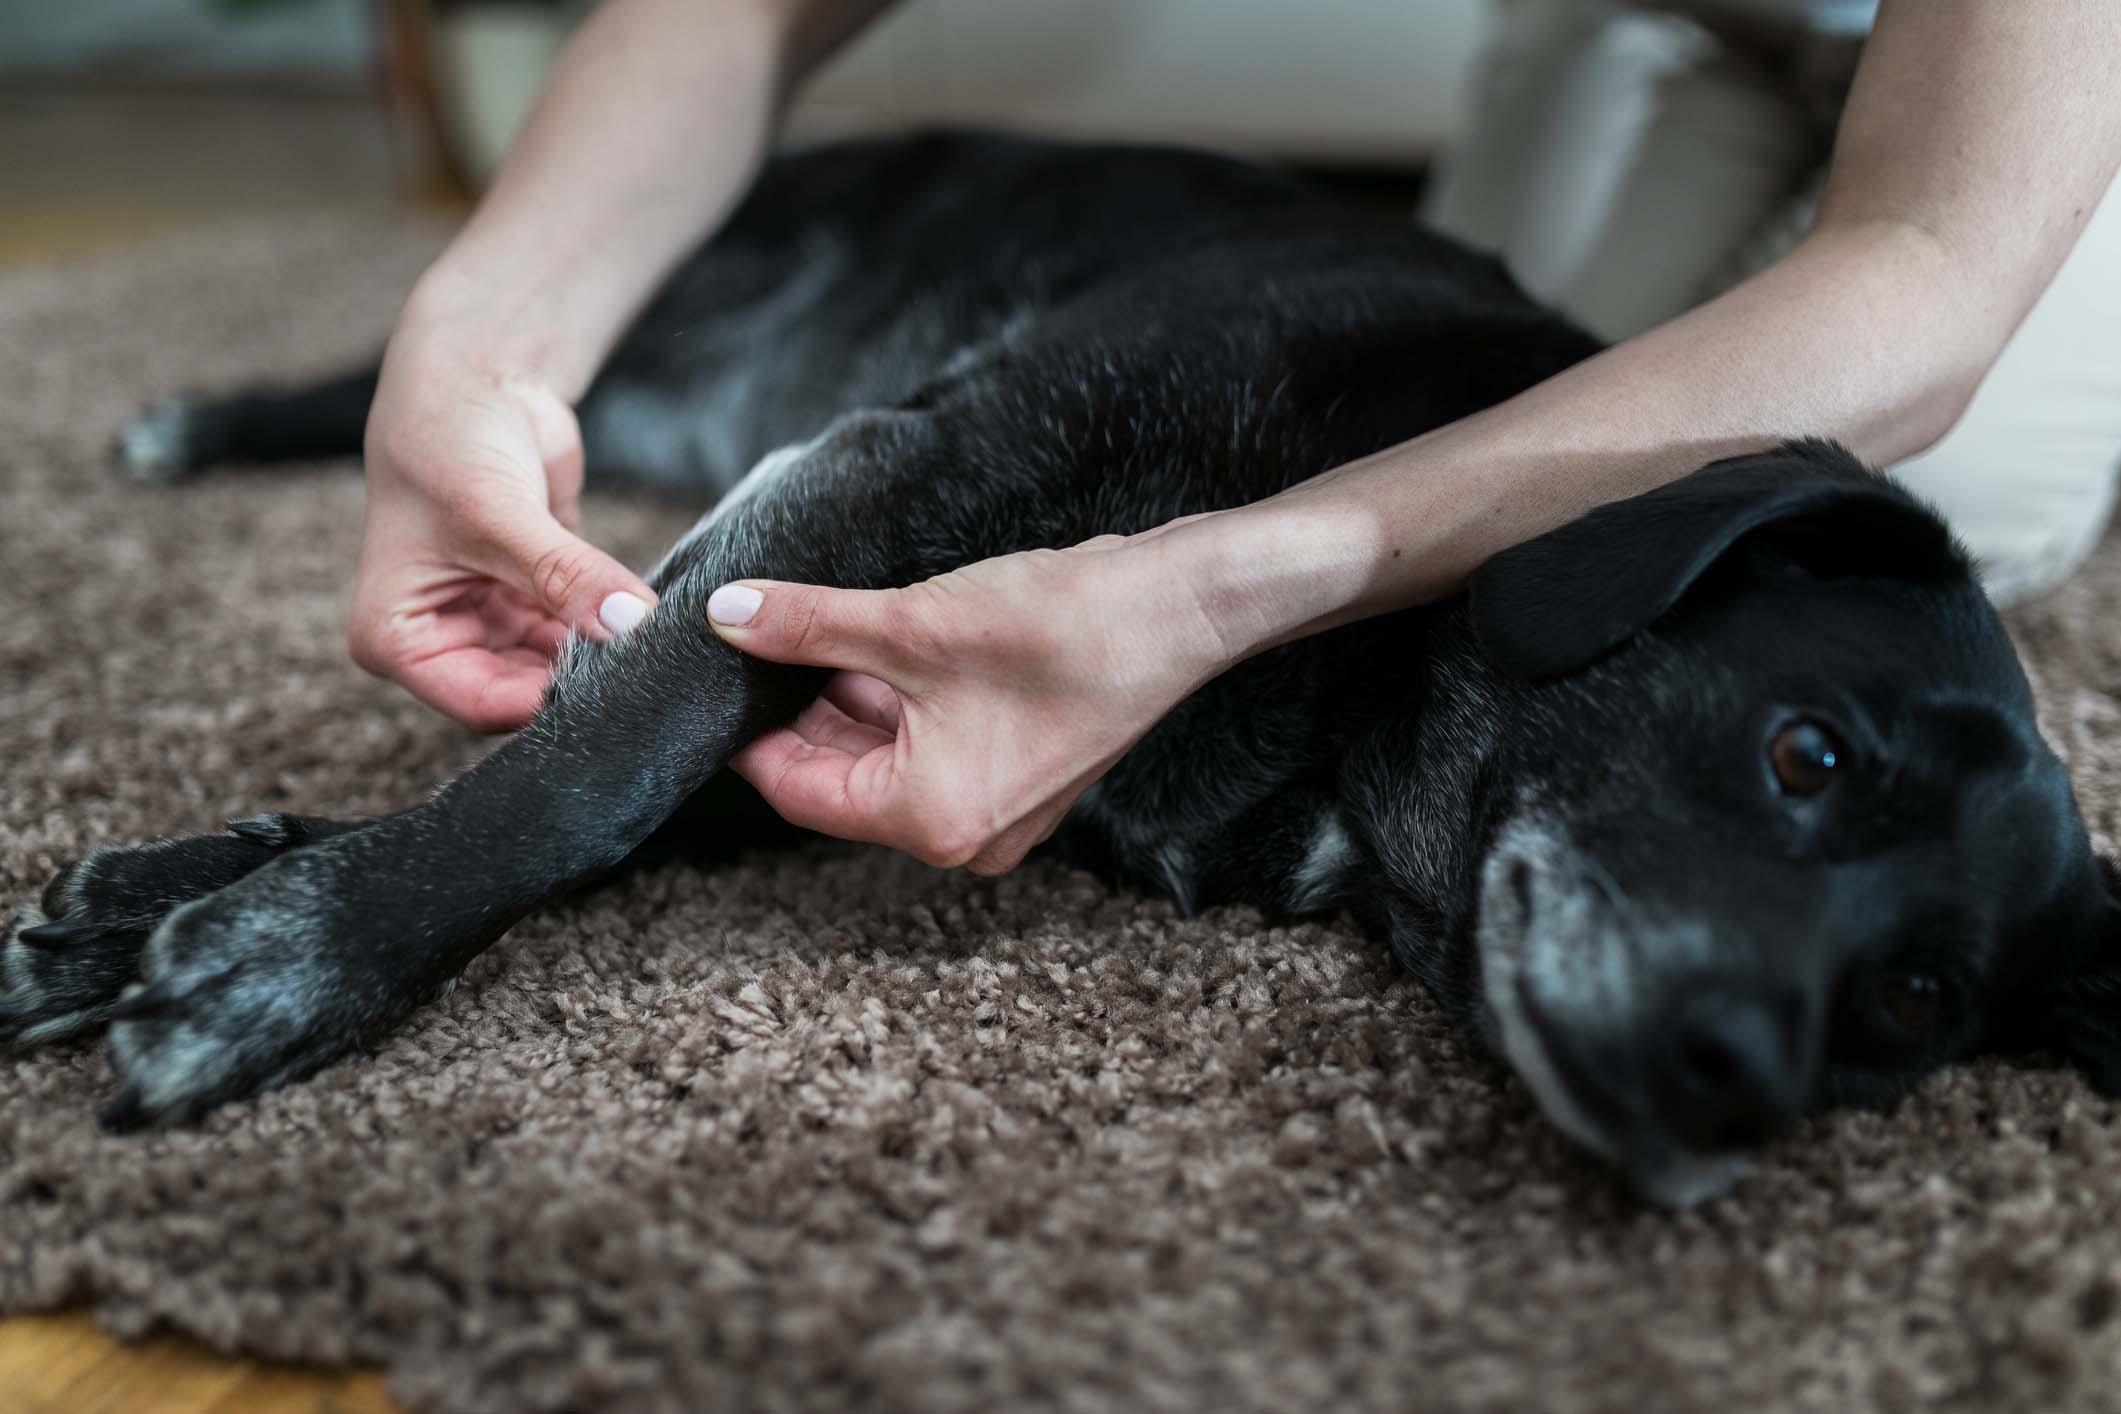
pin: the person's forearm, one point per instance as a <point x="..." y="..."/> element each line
<point x="1843" y="338"/>
<point x="1976" y="142"/>
<point x="646" y="133"/>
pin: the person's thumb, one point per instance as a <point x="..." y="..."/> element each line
<point x="854" y="629"/>
<point x="575" y="581"/>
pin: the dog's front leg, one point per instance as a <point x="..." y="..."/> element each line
<point x="325" y="949"/>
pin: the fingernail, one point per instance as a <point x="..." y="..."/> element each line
<point x="734" y="604"/>
<point x="621" y="612"/>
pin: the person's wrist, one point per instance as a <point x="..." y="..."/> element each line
<point x="479" y="326"/>
<point x="1267" y="573"/>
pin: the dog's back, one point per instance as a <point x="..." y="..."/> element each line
<point x="875" y="274"/>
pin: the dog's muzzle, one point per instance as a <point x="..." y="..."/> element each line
<point x="1646" y="1039"/>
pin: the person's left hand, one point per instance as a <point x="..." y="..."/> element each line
<point x="974" y="707"/>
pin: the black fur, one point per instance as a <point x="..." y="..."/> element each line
<point x="1554" y="802"/>
<point x="1538" y="614"/>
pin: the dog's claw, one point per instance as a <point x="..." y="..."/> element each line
<point x="59" y="933"/>
<point x="271" y="829"/>
<point x="142" y="1003"/>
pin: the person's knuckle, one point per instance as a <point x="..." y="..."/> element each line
<point x="557" y="573"/>
<point x="803" y="621"/>
<point x="919" y="622"/>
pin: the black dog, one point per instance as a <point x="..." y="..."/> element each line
<point x="1720" y="804"/>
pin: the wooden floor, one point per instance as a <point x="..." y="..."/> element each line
<point x="65" y="1364"/>
<point x="87" y="172"/>
<point x="89" y="168"/>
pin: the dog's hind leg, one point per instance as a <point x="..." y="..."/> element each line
<point x="327" y="948"/>
<point x="180" y="437"/>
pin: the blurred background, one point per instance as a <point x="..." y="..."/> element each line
<point x="123" y="119"/>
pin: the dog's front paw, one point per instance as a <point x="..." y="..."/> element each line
<point x="59" y="977"/>
<point x="66" y="958"/>
<point x="256" y="986"/>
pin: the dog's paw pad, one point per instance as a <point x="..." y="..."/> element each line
<point x="157" y="445"/>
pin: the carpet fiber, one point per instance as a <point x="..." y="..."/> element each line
<point x="835" y="1131"/>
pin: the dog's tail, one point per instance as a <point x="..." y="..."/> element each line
<point x="180" y="437"/>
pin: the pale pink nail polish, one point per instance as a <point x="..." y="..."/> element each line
<point x="621" y="612"/>
<point x="734" y="604"/>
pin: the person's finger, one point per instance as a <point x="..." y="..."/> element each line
<point x="823" y="724"/>
<point x="807" y="623"/>
<point x="510" y="617"/>
<point x="547" y="638"/>
<point x="572" y="579"/>
<point x="864" y="698"/>
<point x="486" y="691"/>
<point x="818" y="788"/>
<point x="557" y="435"/>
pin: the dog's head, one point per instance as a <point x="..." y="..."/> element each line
<point x="1775" y="827"/>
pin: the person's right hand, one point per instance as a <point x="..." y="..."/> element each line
<point x="471" y="573"/>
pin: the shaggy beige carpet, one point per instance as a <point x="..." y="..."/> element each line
<point x="833" y="1131"/>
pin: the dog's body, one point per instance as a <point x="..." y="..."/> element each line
<point x="1567" y="802"/>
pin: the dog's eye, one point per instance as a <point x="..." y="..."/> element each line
<point x="1804" y="756"/>
<point x="1912" y="1001"/>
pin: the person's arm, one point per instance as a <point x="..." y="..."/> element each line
<point x="1976" y="142"/>
<point x="1978" y="139"/>
<point x="649" y="128"/>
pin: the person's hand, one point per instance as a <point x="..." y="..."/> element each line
<point x="471" y="573"/>
<point x="976" y="706"/>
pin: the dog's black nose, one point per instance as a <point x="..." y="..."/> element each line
<point x="1733" y="1073"/>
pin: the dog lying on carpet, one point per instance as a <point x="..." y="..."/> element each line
<point x="1722" y="804"/>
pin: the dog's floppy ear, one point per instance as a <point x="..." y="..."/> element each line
<point x="1558" y="603"/>
<point x="2081" y="1017"/>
